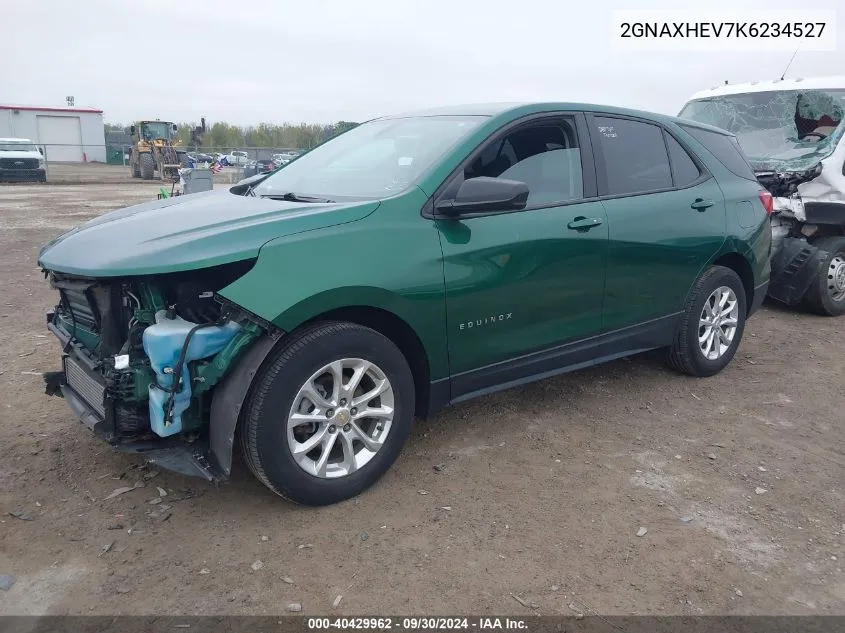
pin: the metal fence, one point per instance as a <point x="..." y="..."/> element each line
<point x="68" y="162"/>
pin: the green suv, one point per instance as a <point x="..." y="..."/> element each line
<point x="415" y="261"/>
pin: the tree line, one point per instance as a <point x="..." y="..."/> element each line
<point x="222" y="135"/>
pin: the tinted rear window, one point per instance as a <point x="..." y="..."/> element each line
<point x="684" y="169"/>
<point x="635" y="158"/>
<point x="725" y="148"/>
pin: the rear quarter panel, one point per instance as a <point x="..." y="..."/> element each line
<point x="748" y="230"/>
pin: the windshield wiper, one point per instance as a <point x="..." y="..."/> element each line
<point x="292" y="197"/>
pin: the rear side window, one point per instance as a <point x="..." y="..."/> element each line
<point x="635" y="158"/>
<point x="725" y="148"/>
<point x="684" y="169"/>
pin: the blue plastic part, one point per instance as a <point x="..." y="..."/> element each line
<point x="163" y="345"/>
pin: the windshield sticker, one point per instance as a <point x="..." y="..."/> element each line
<point x="608" y="131"/>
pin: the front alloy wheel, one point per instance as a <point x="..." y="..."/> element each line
<point x="340" y="418"/>
<point x="346" y="397"/>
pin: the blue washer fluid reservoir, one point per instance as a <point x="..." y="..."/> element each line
<point x="163" y="344"/>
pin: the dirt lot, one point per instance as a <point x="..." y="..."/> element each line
<point x="738" y="480"/>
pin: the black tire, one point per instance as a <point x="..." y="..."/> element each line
<point x="263" y="436"/>
<point x="148" y="166"/>
<point x="820" y="297"/>
<point x="134" y="167"/>
<point x="685" y="354"/>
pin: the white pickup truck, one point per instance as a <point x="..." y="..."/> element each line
<point x="20" y="159"/>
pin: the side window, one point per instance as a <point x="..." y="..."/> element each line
<point x="545" y="156"/>
<point x="724" y="147"/>
<point x="684" y="169"/>
<point x="635" y="157"/>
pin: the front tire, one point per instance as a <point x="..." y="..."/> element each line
<point x="148" y="166"/>
<point x="826" y="295"/>
<point x="712" y="324"/>
<point x="328" y="414"/>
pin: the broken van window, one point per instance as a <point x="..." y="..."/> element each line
<point x="788" y="129"/>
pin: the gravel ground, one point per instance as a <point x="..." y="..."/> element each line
<point x="529" y="501"/>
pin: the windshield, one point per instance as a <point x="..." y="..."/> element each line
<point x="798" y="126"/>
<point x="153" y="130"/>
<point x="6" y="146"/>
<point x="373" y="160"/>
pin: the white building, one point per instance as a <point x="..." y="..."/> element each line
<point x="64" y="133"/>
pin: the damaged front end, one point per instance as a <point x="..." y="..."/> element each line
<point x="808" y="204"/>
<point x="142" y="356"/>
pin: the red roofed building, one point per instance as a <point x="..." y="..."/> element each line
<point x="66" y="134"/>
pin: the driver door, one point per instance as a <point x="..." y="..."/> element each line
<point x="521" y="283"/>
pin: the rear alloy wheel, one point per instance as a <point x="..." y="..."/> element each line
<point x="712" y="324"/>
<point x="328" y="413"/>
<point x="826" y="296"/>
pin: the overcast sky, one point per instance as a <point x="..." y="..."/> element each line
<point x="248" y="61"/>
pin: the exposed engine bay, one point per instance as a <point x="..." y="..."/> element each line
<point x="145" y="353"/>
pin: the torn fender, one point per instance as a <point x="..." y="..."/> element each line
<point x="794" y="268"/>
<point x="229" y="398"/>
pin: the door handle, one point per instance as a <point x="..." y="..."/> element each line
<point x="700" y="204"/>
<point x="584" y="224"/>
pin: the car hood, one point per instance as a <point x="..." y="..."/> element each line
<point x="187" y="233"/>
<point x="21" y="154"/>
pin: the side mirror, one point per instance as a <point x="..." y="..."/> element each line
<point x="132" y="130"/>
<point x="174" y="127"/>
<point x="41" y="151"/>
<point x="486" y="194"/>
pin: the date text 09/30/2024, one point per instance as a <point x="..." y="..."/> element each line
<point x="416" y="623"/>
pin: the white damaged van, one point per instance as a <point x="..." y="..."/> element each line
<point x="793" y="133"/>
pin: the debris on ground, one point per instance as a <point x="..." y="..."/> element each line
<point x="525" y="603"/>
<point x="115" y="526"/>
<point x="554" y="587"/>
<point x="6" y="582"/>
<point x="106" y="549"/>
<point x="287" y="580"/>
<point x="439" y="467"/>
<point x="447" y="508"/>
<point x="305" y="546"/>
<point x="120" y="491"/>
<point x="642" y="531"/>
<point x="122" y="589"/>
<point x="760" y="491"/>
<point x="257" y="565"/>
<point x="762" y="469"/>
<point x="204" y="571"/>
<point x="738" y="592"/>
<point x="264" y="538"/>
<point x="422" y="492"/>
<point x="578" y="613"/>
<point x="161" y="491"/>
<point x="150" y="475"/>
<point x="154" y="501"/>
<point x="711" y="455"/>
<point x="294" y="607"/>
<point x="19" y="514"/>
<point x="678" y="457"/>
<point x="364" y="536"/>
<point x="336" y="602"/>
<point x="686" y="519"/>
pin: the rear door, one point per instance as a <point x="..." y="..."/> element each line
<point x="666" y="218"/>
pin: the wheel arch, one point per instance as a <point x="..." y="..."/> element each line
<point x="233" y="391"/>
<point x="398" y="331"/>
<point x="739" y="264"/>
